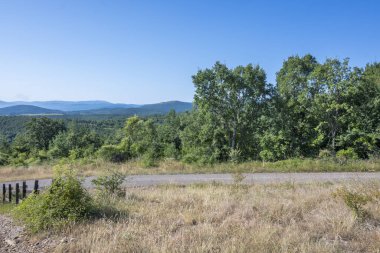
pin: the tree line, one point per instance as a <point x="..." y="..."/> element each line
<point x="315" y="109"/>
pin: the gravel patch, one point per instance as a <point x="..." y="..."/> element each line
<point x="14" y="239"/>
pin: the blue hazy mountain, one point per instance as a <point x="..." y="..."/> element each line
<point x="148" y="109"/>
<point x="101" y="108"/>
<point x="68" y="106"/>
<point x="27" y="110"/>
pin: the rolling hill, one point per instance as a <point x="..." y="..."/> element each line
<point x="123" y="109"/>
<point x="149" y="109"/>
<point x="27" y="110"/>
<point x="68" y="106"/>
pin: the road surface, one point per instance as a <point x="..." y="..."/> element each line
<point x="150" y="180"/>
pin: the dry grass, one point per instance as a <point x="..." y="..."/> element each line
<point x="230" y="218"/>
<point x="96" y="167"/>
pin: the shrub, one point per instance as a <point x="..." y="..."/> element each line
<point x="110" y="183"/>
<point x="64" y="202"/>
<point x="344" y="155"/>
<point x="267" y="155"/>
<point x="355" y="201"/>
<point x="238" y="178"/>
<point x="3" y="159"/>
<point x="113" y="153"/>
<point x="235" y="156"/>
<point x="324" y="153"/>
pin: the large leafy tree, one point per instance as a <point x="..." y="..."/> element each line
<point x="41" y="131"/>
<point x="203" y="139"/>
<point x="233" y="98"/>
<point x="168" y="133"/>
<point x="363" y="125"/>
<point x="296" y="94"/>
<point x="78" y="141"/>
<point x="370" y="90"/>
<point x="336" y="82"/>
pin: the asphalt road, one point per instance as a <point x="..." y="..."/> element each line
<point x="149" y="180"/>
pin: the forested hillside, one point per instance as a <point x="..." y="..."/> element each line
<point x="315" y="109"/>
<point x="27" y="110"/>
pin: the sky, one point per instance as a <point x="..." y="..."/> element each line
<point x="146" y="51"/>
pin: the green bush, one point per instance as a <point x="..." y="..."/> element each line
<point x="3" y="159"/>
<point x="344" y="155"/>
<point x="355" y="201"/>
<point x="267" y="155"/>
<point x="113" y="153"/>
<point x="64" y="202"/>
<point x="324" y="153"/>
<point x="236" y="156"/>
<point x="110" y="183"/>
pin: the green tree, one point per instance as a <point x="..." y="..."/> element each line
<point x="41" y="131"/>
<point x="336" y="81"/>
<point x="203" y="139"/>
<point x="233" y="98"/>
<point x="295" y="104"/>
<point x="169" y="135"/>
<point x="363" y="131"/>
<point x="78" y="141"/>
<point x="4" y="150"/>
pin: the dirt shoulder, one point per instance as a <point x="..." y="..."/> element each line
<point x="14" y="239"/>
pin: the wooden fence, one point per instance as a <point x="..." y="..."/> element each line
<point x="12" y="194"/>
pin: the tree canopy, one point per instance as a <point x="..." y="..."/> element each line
<point x="314" y="109"/>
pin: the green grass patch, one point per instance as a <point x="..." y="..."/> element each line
<point x="6" y="208"/>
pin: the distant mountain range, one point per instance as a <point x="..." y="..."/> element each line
<point x="27" y="110"/>
<point x="89" y="108"/>
<point x="68" y="106"/>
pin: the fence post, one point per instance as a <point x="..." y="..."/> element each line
<point x="4" y="193"/>
<point x="24" y="186"/>
<point x="17" y="193"/>
<point x="36" y="187"/>
<point x="10" y="193"/>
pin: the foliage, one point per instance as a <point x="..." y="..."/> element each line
<point x="41" y="131"/>
<point x="234" y="99"/>
<point x="235" y="156"/>
<point x="324" y="153"/>
<point x="64" y="202"/>
<point x="238" y="178"/>
<point x="355" y="201"/>
<point x="110" y="183"/>
<point x="113" y="153"/>
<point x="76" y="142"/>
<point x="315" y="109"/>
<point x="345" y="154"/>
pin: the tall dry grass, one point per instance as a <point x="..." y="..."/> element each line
<point x="230" y="218"/>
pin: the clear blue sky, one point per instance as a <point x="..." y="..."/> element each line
<point x="146" y="51"/>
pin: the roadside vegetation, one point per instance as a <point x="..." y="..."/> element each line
<point x="213" y="217"/>
<point x="99" y="167"/>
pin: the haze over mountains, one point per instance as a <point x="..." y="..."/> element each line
<point x="89" y="108"/>
<point x="68" y="106"/>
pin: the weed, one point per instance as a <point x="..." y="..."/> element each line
<point x="355" y="201"/>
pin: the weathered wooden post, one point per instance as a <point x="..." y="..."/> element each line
<point x="10" y="193"/>
<point x="36" y="187"/>
<point x="24" y="186"/>
<point x="4" y="192"/>
<point x="17" y="193"/>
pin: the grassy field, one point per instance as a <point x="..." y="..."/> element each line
<point x="216" y="217"/>
<point x="230" y="218"/>
<point x="97" y="167"/>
